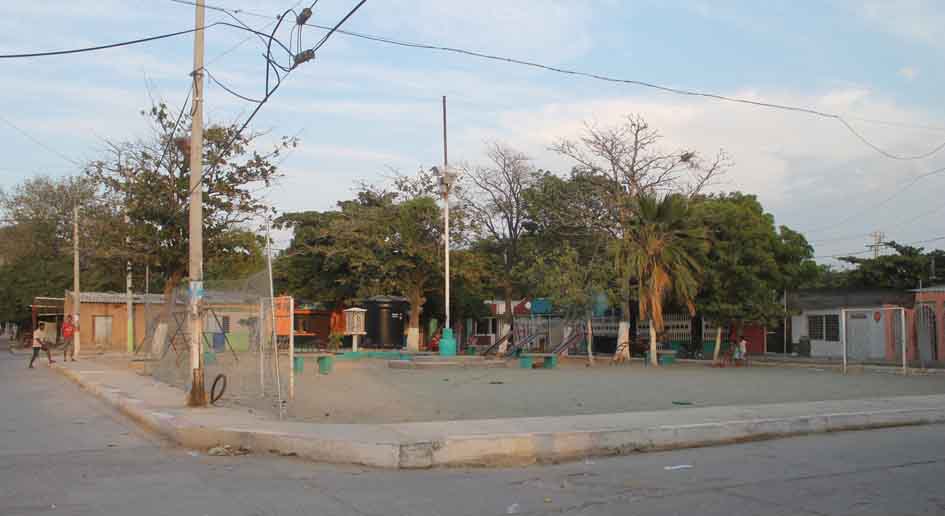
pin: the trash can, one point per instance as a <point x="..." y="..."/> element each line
<point x="325" y="364"/>
<point x="298" y="364"/>
<point x="525" y="362"/>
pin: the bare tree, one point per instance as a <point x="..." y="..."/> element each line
<point x="493" y="198"/>
<point x="628" y="160"/>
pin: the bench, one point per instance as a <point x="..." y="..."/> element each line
<point x="549" y="360"/>
<point x="663" y="357"/>
<point x="325" y="362"/>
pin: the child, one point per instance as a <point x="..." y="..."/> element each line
<point x="39" y="343"/>
<point x="68" y="334"/>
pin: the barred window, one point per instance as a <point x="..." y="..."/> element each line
<point x="815" y="327"/>
<point x="832" y="328"/>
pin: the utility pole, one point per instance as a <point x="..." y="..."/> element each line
<point x="76" y="303"/>
<point x="129" y="306"/>
<point x="198" y="393"/>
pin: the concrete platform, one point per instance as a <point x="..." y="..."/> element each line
<point x="492" y="442"/>
<point x="437" y="362"/>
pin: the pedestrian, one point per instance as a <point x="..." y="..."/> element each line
<point x="39" y="344"/>
<point x="68" y="334"/>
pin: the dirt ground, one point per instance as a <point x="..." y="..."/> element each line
<point x="368" y="391"/>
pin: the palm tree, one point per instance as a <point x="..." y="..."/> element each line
<point x="660" y="250"/>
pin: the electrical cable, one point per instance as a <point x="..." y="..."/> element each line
<point x="37" y="141"/>
<point x="879" y="204"/>
<point x="227" y="89"/>
<point x="666" y="89"/>
<point x="645" y="84"/>
<point x="857" y="253"/>
<point x="269" y="94"/>
<point x="133" y="42"/>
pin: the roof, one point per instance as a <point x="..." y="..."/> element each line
<point x="117" y="298"/>
<point x="830" y="298"/>
<point x="933" y="288"/>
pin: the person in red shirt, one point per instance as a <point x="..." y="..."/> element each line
<point x="68" y="334"/>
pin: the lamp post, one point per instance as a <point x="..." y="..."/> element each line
<point x="447" y="180"/>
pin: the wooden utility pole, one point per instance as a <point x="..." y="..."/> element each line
<point x="76" y="303"/>
<point x="198" y="393"/>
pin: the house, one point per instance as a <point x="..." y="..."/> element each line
<point x="873" y="322"/>
<point x="103" y="322"/>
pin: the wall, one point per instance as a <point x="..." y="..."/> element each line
<point x="818" y="348"/>
<point x="119" y="315"/>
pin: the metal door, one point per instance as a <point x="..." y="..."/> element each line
<point x="103" y="331"/>
<point x="926" y="332"/>
<point x="858" y="336"/>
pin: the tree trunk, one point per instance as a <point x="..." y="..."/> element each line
<point x="509" y="311"/>
<point x="415" y="298"/>
<point x="654" y="358"/>
<point x="718" y="344"/>
<point x="623" y="334"/>
<point x="590" y="340"/>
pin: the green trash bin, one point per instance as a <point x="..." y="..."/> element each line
<point x="298" y="365"/>
<point x="209" y="357"/>
<point x="325" y="364"/>
<point x="525" y="362"/>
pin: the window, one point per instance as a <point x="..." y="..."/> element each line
<point x="815" y="327"/>
<point x="832" y="328"/>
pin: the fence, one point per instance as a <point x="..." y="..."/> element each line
<point x="246" y="339"/>
<point x="872" y="335"/>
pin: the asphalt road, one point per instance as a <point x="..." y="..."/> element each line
<point x="63" y="452"/>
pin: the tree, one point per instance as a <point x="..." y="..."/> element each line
<point x="494" y="199"/>
<point x="749" y="263"/>
<point x="629" y="164"/>
<point x="661" y="249"/>
<point x="905" y="269"/>
<point x="571" y="237"/>
<point x="151" y="180"/>
<point x="37" y="251"/>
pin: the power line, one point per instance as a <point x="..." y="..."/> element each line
<point x="39" y="142"/>
<point x="133" y="42"/>
<point x="879" y="204"/>
<point x="678" y="91"/>
<point x="645" y="84"/>
<point x="228" y="89"/>
<point x="271" y="92"/>
<point x="857" y="253"/>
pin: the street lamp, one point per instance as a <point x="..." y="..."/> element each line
<point x="447" y="179"/>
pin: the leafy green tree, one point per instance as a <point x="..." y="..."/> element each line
<point x="905" y="269"/>
<point x="662" y="249"/>
<point x="150" y="179"/>
<point x="36" y="242"/>
<point x="749" y="263"/>
<point x="628" y="162"/>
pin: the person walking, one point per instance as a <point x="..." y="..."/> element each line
<point x="68" y="334"/>
<point x="39" y="344"/>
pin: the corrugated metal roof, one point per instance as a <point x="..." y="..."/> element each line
<point x="829" y="298"/>
<point x="933" y="288"/>
<point x="118" y="298"/>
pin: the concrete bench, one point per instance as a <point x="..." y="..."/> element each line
<point x="549" y="360"/>
<point x="325" y="362"/>
<point x="663" y="357"/>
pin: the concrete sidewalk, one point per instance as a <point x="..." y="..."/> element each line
<point x="492" y="442"/>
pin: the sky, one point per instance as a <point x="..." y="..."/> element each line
<point x="363" y="109"/>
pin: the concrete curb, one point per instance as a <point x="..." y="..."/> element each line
<point x="506" y="442"/>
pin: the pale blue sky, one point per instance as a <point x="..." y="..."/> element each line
<point x="363" y="108"/>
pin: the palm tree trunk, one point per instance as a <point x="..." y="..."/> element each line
<point x="654" y="358"/>
<point x="718" y="344"/>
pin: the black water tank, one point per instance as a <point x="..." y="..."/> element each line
<point x="386" y="317"/>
